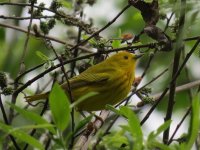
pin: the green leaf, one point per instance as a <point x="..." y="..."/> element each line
<point x="162" y="128"/>
<point x="82" y="98"/>
<point x="134" y="125"/>
<point x="33" y="127"/>
<point x="151" y="140"/>
<point x="60" y="107"/>
<point x="116" y="43"/>
<point x="92" y="41"/>
<point x="42" y="56"/>
<point x="21" y="135"/>
<point x="114" y="140"/>
<point x="66" y="4"/>
<point x="113" y="109"/>
<point x="32" y="117"/>
<point x="157" y="145"/>
<point x="194" y="123"/>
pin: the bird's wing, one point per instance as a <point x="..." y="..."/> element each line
<point x="86" y="79"/>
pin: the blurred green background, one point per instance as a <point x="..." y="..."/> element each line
<point x="12" y="43"/>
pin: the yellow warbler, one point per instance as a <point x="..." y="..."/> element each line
<point x="111" y="79"/>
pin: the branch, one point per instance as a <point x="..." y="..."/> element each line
<point x="25" y="18"/>
<point x="174" y="78"/>
<point x="83" y="141"/>
<point x="43" y="36"/>
<point x="155" y="78"/>
<point x="148" y="64"/>
<point x="106" y="26"/>
<point x="151" y="45"/>
<point x="67" y="19"/>
<point x="105" y="132"/>
<point x="179" y="47"/>
<point x="168" y="21"/>
<point x="181" y="88"/>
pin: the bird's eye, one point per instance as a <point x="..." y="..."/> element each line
<point x="125" y="57"/>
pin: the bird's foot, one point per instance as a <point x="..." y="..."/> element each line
<point x="137" y="81"/>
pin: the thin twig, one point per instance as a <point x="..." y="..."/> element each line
<point x="73" y="64"/>
<point x="68" y="18"/>
<point x="181" y="88"/>
<point x="81" y="47"/>
<point x="62" y="68"/>
<point x="178" y="126"/>
<point x="6" y="121"/>
<point x="148" y="64"/>
<point x="187" y="76"/>
<point x="43" y="36"/>
<point x="168" y="21"/>
<point x="155" y="78"/>
<point x="25" y="18"/>
<point x="26" y="41"/>
<point x="102" y="29"/>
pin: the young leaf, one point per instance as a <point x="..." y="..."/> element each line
<point x="134" y="125"/>
<point x="116" y="43"/>
<point x="92" y="41"/>
<point x="66" y="4"/>
<point x="151" y="140"/>
<point x="162" y="128"/>
<point x="60" y="107"/>
<point x="21" y="135"/>
<point x="32" y="117"/>
<point x="42" y="56"/>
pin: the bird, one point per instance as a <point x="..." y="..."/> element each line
<point x="111" y="79"/>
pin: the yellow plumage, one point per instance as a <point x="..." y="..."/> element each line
<point x="111" y="79"/>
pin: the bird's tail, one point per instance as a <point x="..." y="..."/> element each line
<point x="37" y="97"/>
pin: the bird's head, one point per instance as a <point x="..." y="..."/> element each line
<point x="125" y="59"/>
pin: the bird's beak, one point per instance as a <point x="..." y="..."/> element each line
<point x="138" y="55"/>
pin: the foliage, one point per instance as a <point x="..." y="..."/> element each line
<point x="64" y="40"/>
